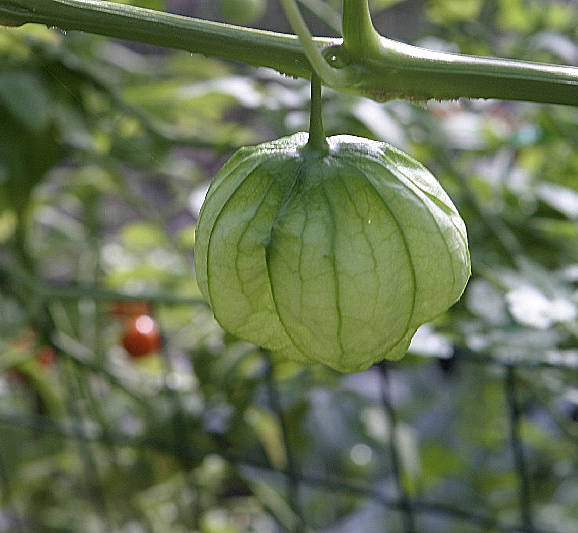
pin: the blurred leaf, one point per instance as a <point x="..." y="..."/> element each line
<point x="142" y="236"/>
<point x="560" y="16"/>
<point x="440" y="462"/>
<point x="25" y="98"/>
<point x="560" y="198"/>
<point x="267" y="492"/>
<point x="450" y="11"/>
<point x="515" y="15"/>
<point x="25" y="156"/>
<point x="7" y="225"/>
<point x="267" y="428"/>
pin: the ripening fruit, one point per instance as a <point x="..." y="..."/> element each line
<point x="334" y="258"/>
<point x="141" y="336"/>
<point x="242" y="12"/>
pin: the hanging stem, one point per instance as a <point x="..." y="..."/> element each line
<point x="317" y="140"/>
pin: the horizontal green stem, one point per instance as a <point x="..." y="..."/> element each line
<point x="254" y="47"/>
<point x="390" y="69"/>
<point x="422" y="74"/>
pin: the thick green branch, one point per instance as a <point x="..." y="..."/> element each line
<point x="389" y="69"/>
<point x="254" y="47"/>
<point x="408" y="71"/>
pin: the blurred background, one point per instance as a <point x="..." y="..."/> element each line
<point x="124" y="407"/>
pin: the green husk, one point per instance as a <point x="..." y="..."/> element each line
<point x="333" y="257"/>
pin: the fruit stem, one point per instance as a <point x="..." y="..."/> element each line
<point x="317" y="140"/>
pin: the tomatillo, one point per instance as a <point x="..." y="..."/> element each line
<point x="334" y="257"/>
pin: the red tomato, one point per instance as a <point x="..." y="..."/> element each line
<point x="141" y="336"/>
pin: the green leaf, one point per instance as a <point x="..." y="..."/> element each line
<point x="25" y="98"/>
<point x="515" y="15"/>
<point x="440" y="462"/>
<point x="25" y="157"/>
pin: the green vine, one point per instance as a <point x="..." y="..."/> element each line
<point x="369" y="64"/>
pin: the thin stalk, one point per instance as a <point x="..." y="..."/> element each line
<point x="70" y="380"/>
<point x="408" y="515"/>
<point x="182" y="433"/>
<point x="317" y="140"/>
<point x="93" y="321"/>
<point x="293" y="475"/>
<point x="314" y="55"/>
<point x="514" y="417"/>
